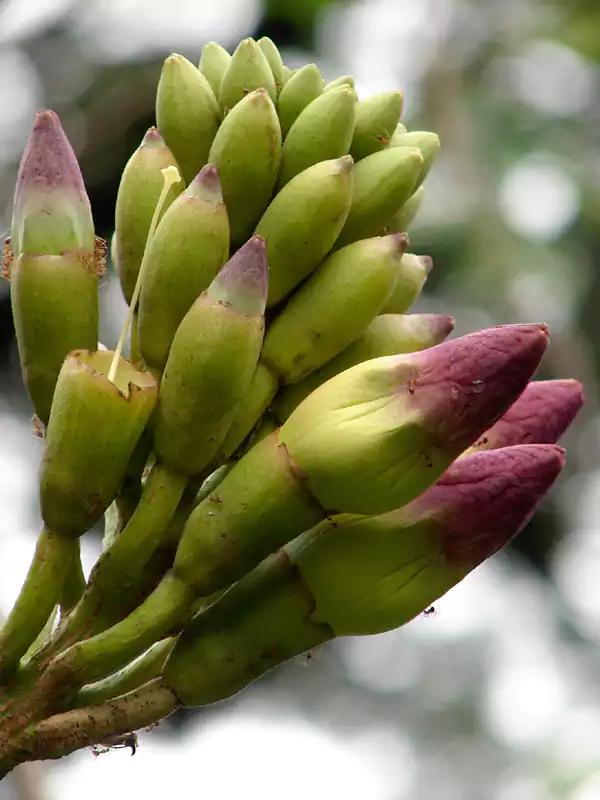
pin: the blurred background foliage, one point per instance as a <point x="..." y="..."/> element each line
<point x="497" y="696"/>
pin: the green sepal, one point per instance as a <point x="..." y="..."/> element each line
<point x="323" y="130"/>
<point x="376" y="121"/>
<point x="141" y="184"/>
<point x="333" y="307"/>
<point x="261" y="504"/>
<point x="412" y="276"/>
<point x="248" y="70"/>
<point x="187" y="114"/>
<point x="55" y="310"/>
<point x="94" y="426"/>
<point x="303" y="221"/>
<point x="247" y="153"/>
<point x="387" y="335"/>
<point x="382" y="183"/>
<point x="213" y="64"/>
<point x="189" y="247"/>
<point x="304" y="86"/>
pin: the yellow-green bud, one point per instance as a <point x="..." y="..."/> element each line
<point x="412" y="275"/>
<point x="213" y="64"/>
<point x="248" y="70"/>
<point x="304" y="86"/>
<point x="376" y="121"/>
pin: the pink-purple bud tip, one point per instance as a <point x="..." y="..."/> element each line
<point x="464" y="385"/>
<point x="439" y="326"/>
<point x="48" y="160"/>
<point x="206" y="185"/>
<point x="541" y="415"/>
<point x="485" y="499"/>
<point x="152" y="138"/>
<point x="243" y="281"/>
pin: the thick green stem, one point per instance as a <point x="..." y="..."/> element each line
<point x="74" y="584"/>
<point x="41" y="591"/>
<point x="145" y="668"/>
<point x="118" y="576"/>
<point x="64" y="733"/>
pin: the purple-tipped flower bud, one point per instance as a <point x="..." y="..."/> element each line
<point x="540" y="416"/>
<point x="377" y="435"/>
<point x="389" y="568"/>
<point x="51" y="211"/>
<point x="243" y="281"/>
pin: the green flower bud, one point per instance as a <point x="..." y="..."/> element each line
<point x="387" y="335"/>
<point x="211" y="362"/>
<point x="94" y="426"/>
<point x="540" y="416"/>
<point x="412" y="275"/>
<point x="303" y="221"/>
<point x="382" y="183"/>
<point x="55" y="310"/>
<point x="389" y="568"/>
<point x="247" y="153"/>
<point x="304" y="86"/>
<point x="214" y="62"/>
<point x="376" y="121"/>
<point x="187" y="114"/>
<point x="323" y="130"/>
<point x="187" y="250"/>
<point x="273" y="56"/>
<point x="51" y="213"/>
<point x="427" y="142"/>
<point x="378" y="434"/>
<point x="333" y="307"/>
<point x="248" y="70"/>
<point x="343" y="80"/>
<point x="261" y="391"/>
<point x="404" y="217"/>
<point x="141" y="185"/>
<point x="287" y="74"/>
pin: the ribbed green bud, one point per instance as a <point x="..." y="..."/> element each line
<point x="333" y="307"/>
<point x="211" y="362"/>
<point x="187" y="114"/>
<point x="214" y="62"/>
<point x="247" y="153"/>
<point x="261" y="391"/>
<point x="382" y="183"/>
<point x="51" y="213"/>
<point x="55" y="310"/>
<point x="304" y="86"/>
<point x="322" y="131"/>
<point x="356" y="437"/>
<point x="260" y="504"/>
<point x="303" y="221"/>
<point x="412" y="275"/>
<point x="427" y="142"/>
<point x="387" y="335"/>
<point x="261" y="622"/>
<point x="248" y="70"/>
<point x="141" y="185"/>
<point x="343" y="80"/>
<point x="376" y="121"/>
<point x="189" y="247"/>
<point x="403" y="218"/>
<point x="273" y="56"/>
<point x="94" y="426"/>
